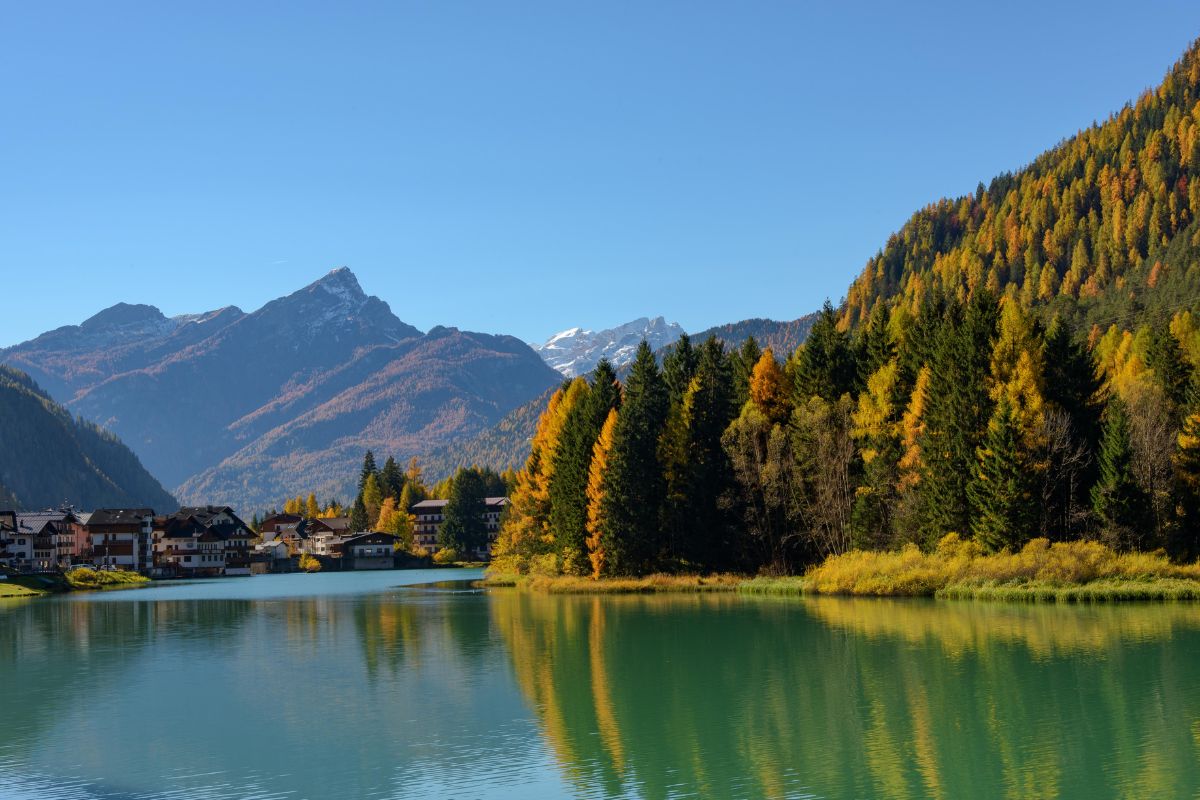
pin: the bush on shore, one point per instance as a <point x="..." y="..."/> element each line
<point x="959" y="568"/>
<point x="84" y="578"/>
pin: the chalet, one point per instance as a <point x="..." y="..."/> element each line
<point x="430" y="514"/>
<point x="185" y="547"/>
<point x="202" y="541"/>
<point x="122" y="537"/>
<point x="231" y="530"/>
<point x="318" y="536"/>
<point x="373" y="550"/>
<point x="276" y="524"/>
<point x="60" y="537"/>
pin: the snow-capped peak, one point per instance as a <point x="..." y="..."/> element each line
<point x="576" y="351"/>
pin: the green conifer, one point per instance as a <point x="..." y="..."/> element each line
<point x="1119" y="503"/>
<point x="1002" y="487"/>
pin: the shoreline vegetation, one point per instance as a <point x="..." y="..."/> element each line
<point x="1041" y="571"/>
<point x="75" y="580"/>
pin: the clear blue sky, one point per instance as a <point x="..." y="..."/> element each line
<point x="521" y="167"/>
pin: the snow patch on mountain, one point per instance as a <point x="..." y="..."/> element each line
<point x="577" y="351"/>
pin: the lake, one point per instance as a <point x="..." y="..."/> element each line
<point x="364" y="685"/>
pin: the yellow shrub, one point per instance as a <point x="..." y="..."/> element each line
<point x="961" y="563"/>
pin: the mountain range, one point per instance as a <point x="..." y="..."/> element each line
<point x="245" y="408"/>
<point x="577" y="351"/>
<point x="506" y="444"/>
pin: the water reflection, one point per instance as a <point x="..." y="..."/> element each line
<point x="270" y="692"/>
<point x="714" y="696"/>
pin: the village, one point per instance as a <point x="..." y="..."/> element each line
<point x="213" y="541"/>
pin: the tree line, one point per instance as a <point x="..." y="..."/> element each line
<point x="966" y="415"/>
<point x="385" y="496"/>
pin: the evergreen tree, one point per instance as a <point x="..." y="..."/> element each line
<point x="873" y="346"/>
<point x="1118" y="501"/>
<point x="391" y="479"/>
<point x="568" y="484"/>
<point x="957" y="411"/>
<point x="1072" y="391"/>
<point x="1171" y="370"/>
<point x="358" y="516"/>
<point x="368" y="469"/>
<point x="1003" y="486"/>
<point x="1186" y="546"/>
<point x="679" y="365"/>
<point x="743" y="363"/>
<point x="825" y="364"/>
<point x="464" y="529"/>
<point x="633" y="542"/>
<point x="697" y="473"/>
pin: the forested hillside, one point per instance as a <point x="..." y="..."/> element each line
<point x="1020" y="363"/>
<point x="1100" y="229"/>
<point x="50" y="457"/>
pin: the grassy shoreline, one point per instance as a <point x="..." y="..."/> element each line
<point x="74" y="580"/>
<point x="1041" y="572"/>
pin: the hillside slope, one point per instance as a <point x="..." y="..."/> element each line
<point x="50" y="457"/>
<point x="1098" y="229"/>
<point x="246" y="407"/>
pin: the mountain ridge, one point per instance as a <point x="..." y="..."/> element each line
<point x="243" y="407"/>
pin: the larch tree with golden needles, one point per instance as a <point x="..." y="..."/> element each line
<point x="526" y="530"/>
<point x="597" y="496"/>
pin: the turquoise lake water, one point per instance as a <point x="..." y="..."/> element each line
<point x="363" y="685"/>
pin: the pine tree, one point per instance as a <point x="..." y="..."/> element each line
<point x="1003" y="485"/>
<point x="568" y="483"/>
<point x="464" y="529"/>
<point x="825" y="364"/>
<point x="599" y="527"/>
<point x="698" y="473"/>
<point x="873" y="346"/>
<point x="1186" y="547"/>
<point x="679" y="366"/>
<point x="1171" y="369"/>
<point x="958" y="408"/>
<point x="391" y="479"/>
<point x="368" y="469"/>
<point x="743" y="362"/>
<point x="635" y="481"/>
<point x="1117" y="500"/>
<point x="358" y="516"/>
